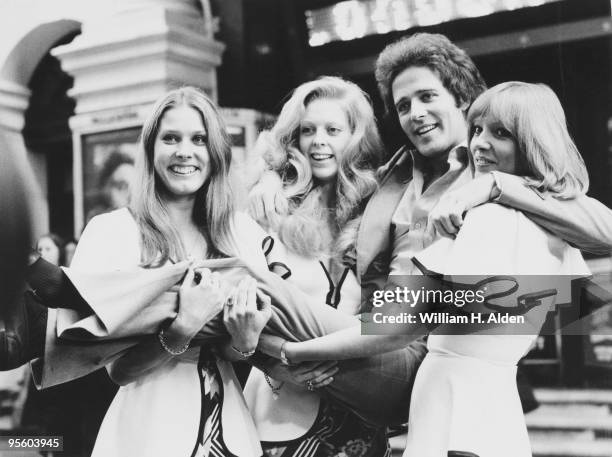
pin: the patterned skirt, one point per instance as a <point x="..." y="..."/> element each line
<point x="336" y="433"/>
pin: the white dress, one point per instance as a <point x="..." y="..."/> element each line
<point x="190" y="406"/>
<point x="465" y="396"/>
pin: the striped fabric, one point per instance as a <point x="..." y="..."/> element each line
<point x="210" y="437"/>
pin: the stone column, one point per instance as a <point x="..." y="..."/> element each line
<point x="14" y="100"/>
<point x="140" y="52"/>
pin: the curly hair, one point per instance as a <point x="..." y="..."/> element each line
<point x="533" y="114"/>
<point x="454" y="67"/>
<point x="355" y="181"/>
<point x="214" y="203"/>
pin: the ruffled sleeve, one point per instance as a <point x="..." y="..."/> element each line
<point x="518" y="265"/>
<point x="106" y="272"/>
<point x="110" y="241"/>
<point x="498" y="240"/>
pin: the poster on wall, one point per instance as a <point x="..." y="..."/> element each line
<point x="108" y="168"/>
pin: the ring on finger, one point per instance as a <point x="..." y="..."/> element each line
<point x="230" y="301"/>
<point x="310" y="386"/>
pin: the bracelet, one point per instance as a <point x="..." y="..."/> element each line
<point x="244" y="354"/>
<point x="283" y="354"/>
<point x="168" y="349"/>
<point x="275" y="390"/>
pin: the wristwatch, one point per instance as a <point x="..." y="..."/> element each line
<point x="244" y="354"/>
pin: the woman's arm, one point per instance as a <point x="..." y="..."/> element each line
<point x="267" y="203"/>
<point x="341" y="345"/>
<point x="198" y="304"/>
<point x="583" y="222"/>
<point x="244" y="320"/>
<point x="149" y="354"/>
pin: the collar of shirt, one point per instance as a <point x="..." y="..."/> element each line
<point x="458" y="157"/>
<point x="457" y="160"/>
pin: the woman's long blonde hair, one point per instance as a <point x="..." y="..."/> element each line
<point x="213" y="208"/>
<point x="355" y="182"/>
<point x="533" y="114"/>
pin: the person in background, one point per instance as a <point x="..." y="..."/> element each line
<point x="51" y="248"/>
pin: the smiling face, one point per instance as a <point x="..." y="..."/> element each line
<point x="428" y="112"/>
<point x="492" y="146"/>
<point x="324" y="134"/>
<point x="180" y="156"/>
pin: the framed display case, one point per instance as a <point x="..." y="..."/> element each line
<point x="104" y="152"/>
<point x="107" y="170"/>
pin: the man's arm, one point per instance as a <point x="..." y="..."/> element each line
<point x="582" y="221"/>
<point x="53" y="289"/>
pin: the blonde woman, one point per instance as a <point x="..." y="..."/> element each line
<point x="175" y="399"/>
<point x="516" y="128"/>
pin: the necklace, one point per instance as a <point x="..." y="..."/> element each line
<point x="275" y="389"/>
